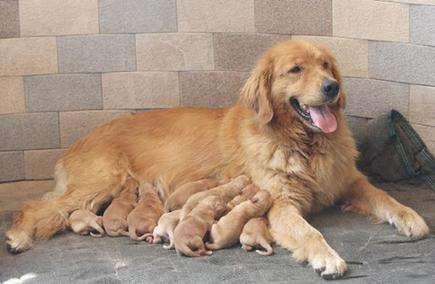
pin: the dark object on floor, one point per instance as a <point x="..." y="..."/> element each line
<point x="392" y="151"/>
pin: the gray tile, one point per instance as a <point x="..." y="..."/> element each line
<point x="370" y="98"/>
<point x="29" y="131"/>
<point x="136" y="16"/>
<point x="11" y="166"/>
<point x="63" y="92"/>
<point x="96" y="53"/>
<point x="213" y="89"/>
<point x="239" y="52"/>
<point x="9" y="19"/>
<point x="402" y="62"/>
<point x="307" y="17"/>
<point x="39" y="164"/>
<point x="422" y="24"/>
<point x="358" y="126"/>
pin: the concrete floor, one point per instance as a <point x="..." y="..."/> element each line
<point x="375" y="253"/>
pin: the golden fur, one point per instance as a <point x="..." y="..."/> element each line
<point x="256" y="234"/>
<point x="165" y="228"/>
<point x="261" y="136"/>
<point x="247" y="193"/>
<point x="84" y="222"/>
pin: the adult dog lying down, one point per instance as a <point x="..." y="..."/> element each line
<point x="287" y="133"/>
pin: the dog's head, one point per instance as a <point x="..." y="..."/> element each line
<point x="296" y="79"/>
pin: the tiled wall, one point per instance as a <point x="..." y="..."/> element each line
<point x="69" y="65"/>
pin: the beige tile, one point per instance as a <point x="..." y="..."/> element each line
<point x="54" y="17"/>
<point x="39" y="164"/>
<point x="351" y="54"/>
<point x="174" y="52"/>
<point x="215" y="16"/>
<point x="136" y="90"/>
<point x="11" y="94"/>
<point x="427" y="133"/>
<point x="369" y="19"/>
<point x="13" y="194"/>
<point x="27" y="56"/>
<point x="421" y="2"/>
<point x="77" y="124"/>
<point x="422" y="105"/>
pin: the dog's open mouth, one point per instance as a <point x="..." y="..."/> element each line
<point x="320" y="117"/>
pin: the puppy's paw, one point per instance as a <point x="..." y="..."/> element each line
<point x="410" y="224"/>
<point x="17" y="241"/>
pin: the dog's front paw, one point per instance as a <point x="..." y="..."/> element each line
<point x="410" y="224"/>
<point x="17" y="241"/>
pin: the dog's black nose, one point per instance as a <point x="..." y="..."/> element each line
<point x="330" y="88"/>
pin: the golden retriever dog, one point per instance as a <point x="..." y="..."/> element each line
<point x="287" y="133"/>
<point x="165" y="228"/>
<point x="144" y="217"/>
<point x="247" y="193"/>
<point x="256" y="234"/>
<point x="177" y="199"/>
<point x="84" y="222"/>
<point x="115" y="217"/>
<point x="226" y="232"/>
<point x="190" y="232"/>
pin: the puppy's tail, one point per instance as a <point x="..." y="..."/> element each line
<point x="99" y="231"/>
<point x="265" y="244"/>
<point x="132" y="233"/>
<point x="197" y="243"/>
<point x="212" y="246"/>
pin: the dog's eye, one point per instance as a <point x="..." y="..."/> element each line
<point x="295" y="69"/>
<point x="325" y="65"/>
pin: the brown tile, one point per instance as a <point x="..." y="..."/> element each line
<point x="239" y="52"/>
<point x="77" y="124"/>
<point x="307" y="17"/>
<point x="371" y="20"/>
<point x="215" y="16"/>
<point x="9" y="19"/>
<point x="11" y="166"/>
<point x="27" y="56"/>
<point x="174" y="52"/>
<point x="12" y="95"/>
<point x="422" y="105"/>
<point x="54" y="17"/>
<point x="140" y="90"/>
<point x="212" y="89"/>
<point x="39" y="164"/>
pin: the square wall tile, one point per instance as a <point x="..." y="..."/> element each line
<point x="11" y="166"/>
<point x="134" y="90"/>
<point x="215" y="16"/>
<point x="11" y="94"/>
<point x="9" y="19"/>
<point x="54" y="17"/>
<point x="27" y="56"/>
<point x="422" y="105"/>
<point x="97" y="53"/>
<point x="307" y="17"/>
<point x="63" y="92"/>
<point x="138" y="16"/>
<point x="174" y="51"/>
<point x="422" y="24"/>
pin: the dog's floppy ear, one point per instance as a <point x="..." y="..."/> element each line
<point x="257" y="91"/>
<point x="336" y="73"/>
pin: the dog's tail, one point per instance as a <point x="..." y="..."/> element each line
<point x="265" y="244"/>
<point x="197" y="243"/>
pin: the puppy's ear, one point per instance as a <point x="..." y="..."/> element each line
<point x="336" y="73"/>
<point x="256" y="93"/>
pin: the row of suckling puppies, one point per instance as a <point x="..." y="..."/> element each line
<point x="197" y="218"/>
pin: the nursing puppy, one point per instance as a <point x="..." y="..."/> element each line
<point x="84" y="222"/>
<point x="144" y="217"/>
<point x="165" y="228"/>
<point x="177" y="199"/>
<point x="226" y="191"/>
<point x="256" y="234"/>
<point x="189" y="234"/>
<point x="226" y="231"/>
<point x="247" y="193"/>
<point x="115" y="216"/>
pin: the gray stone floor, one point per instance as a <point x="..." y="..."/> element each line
<point x="375" y="253"/>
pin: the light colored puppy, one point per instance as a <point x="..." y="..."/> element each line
<point x="84" y="222"/>
<point x="226" y="191"/>
<point x="115" y="216"/>
<point x="226" y="231"/>
<point x="247" y="193"/>
<point x="165" y="228"/>
<point x="256" y="234"/>
<point x="144" y="217"/>
<point x="189" y="234"/>
<point x="177" y="199"/>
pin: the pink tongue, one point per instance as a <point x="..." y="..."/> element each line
<point x="323" y="118"/>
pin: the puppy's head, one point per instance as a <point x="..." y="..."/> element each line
<point x="296" y="79"/>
